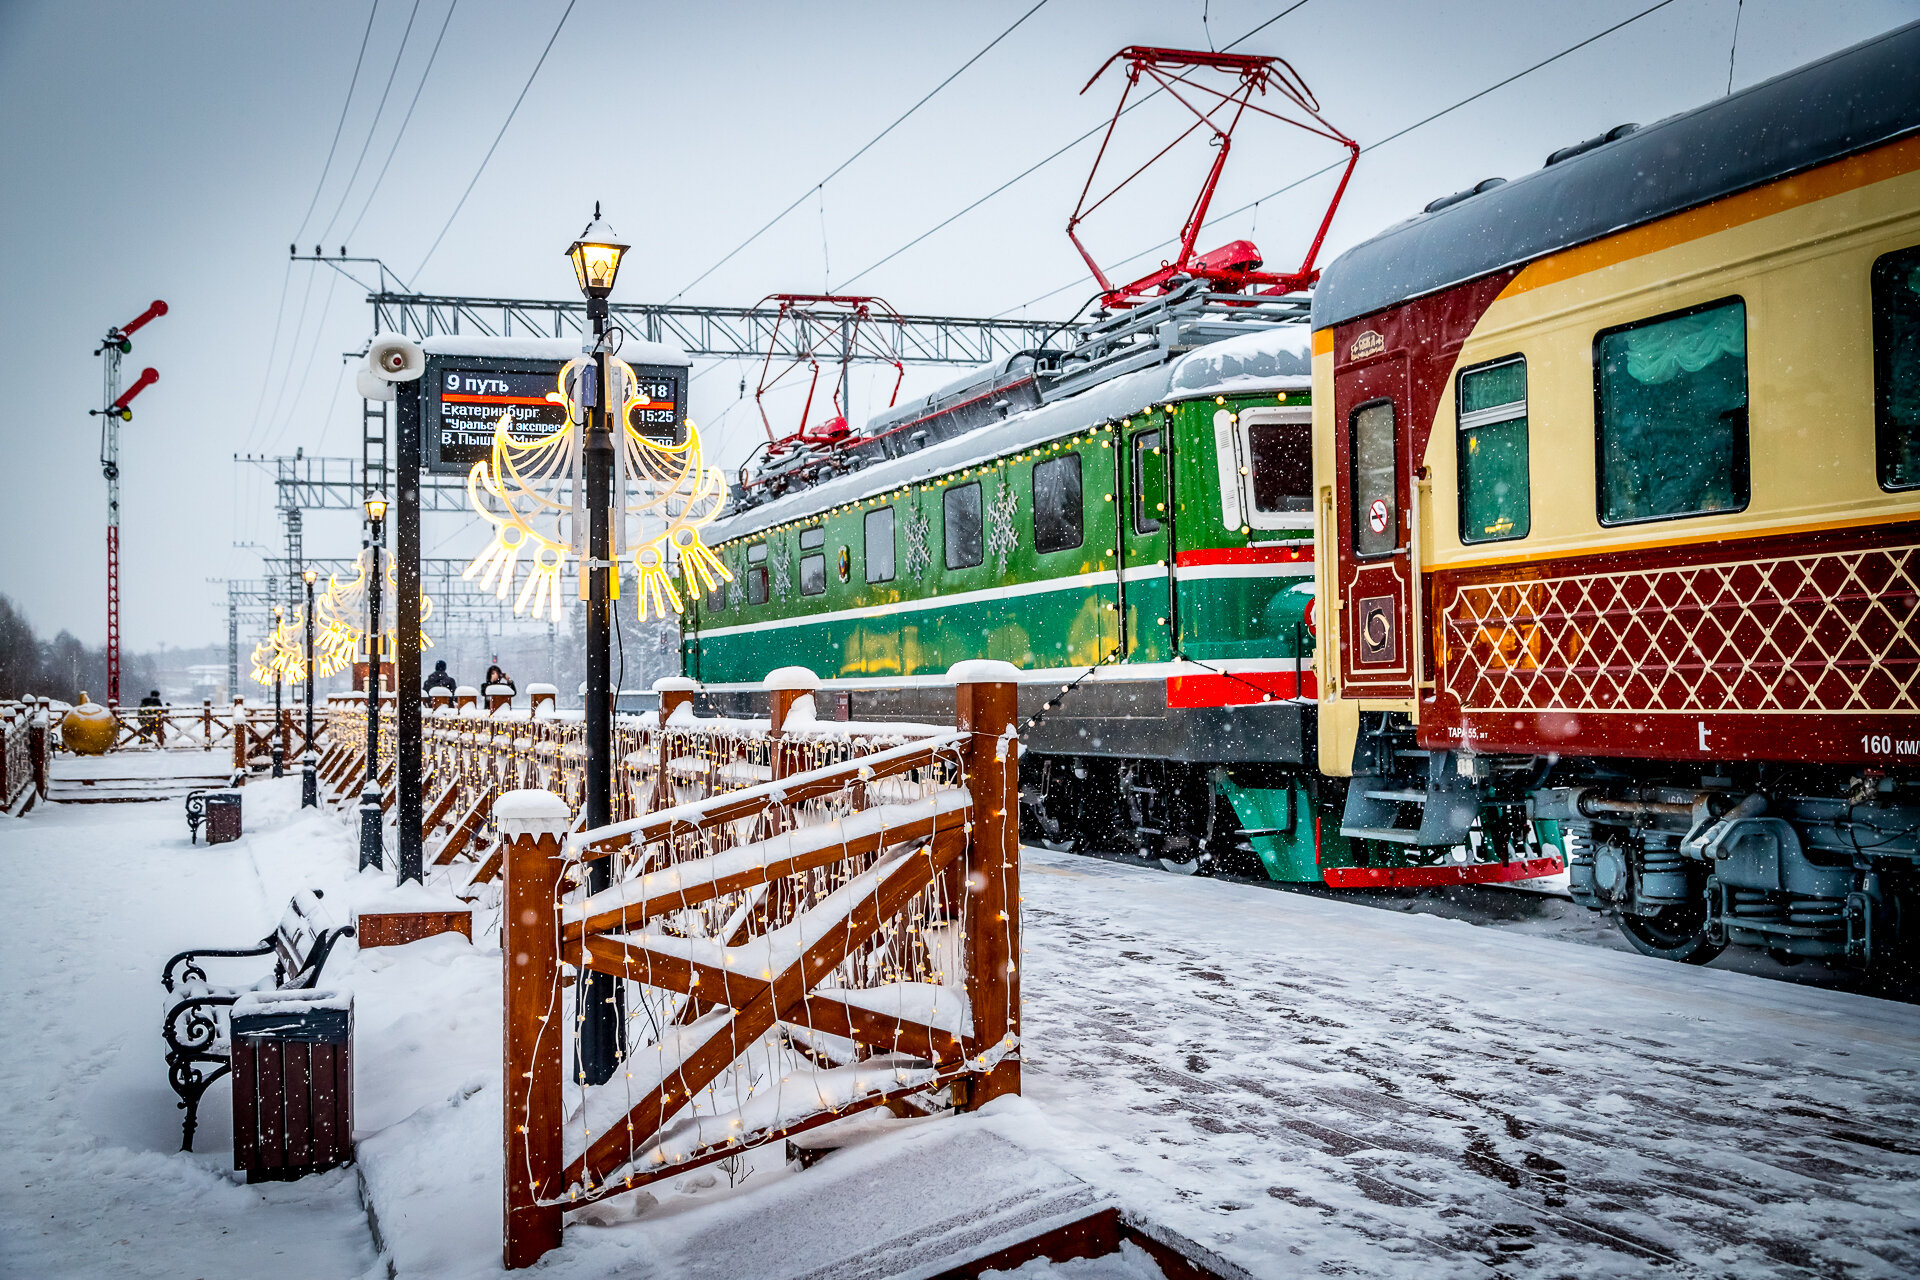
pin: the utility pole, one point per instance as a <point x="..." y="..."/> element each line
<point x="371" y="852"/>
<point x="114" y="410"/>
<point x="406" y="642"/>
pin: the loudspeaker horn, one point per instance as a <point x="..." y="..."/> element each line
<point x="372" y="388"/>
<point x="394" y="357"/>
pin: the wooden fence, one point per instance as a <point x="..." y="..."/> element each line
<point x="806" y="919"/>
<point x="23" y="755"/>
<point x="823" y="940"/>
<point x="245" y="732"/>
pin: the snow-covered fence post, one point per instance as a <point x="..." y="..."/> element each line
<point x="206" y="724"/>
<point x="239" y="741"/>
<point x="38" y="745"/>
<point x="534" y="825"/>
<point x="786" y="686"/>
<point x="986" y="708"/>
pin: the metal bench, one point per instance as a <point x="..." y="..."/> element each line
<point x="196" y="1025"/>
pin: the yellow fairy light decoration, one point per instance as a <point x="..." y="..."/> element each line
<point x="340" y="617"/>
<point x="533" y="494"/>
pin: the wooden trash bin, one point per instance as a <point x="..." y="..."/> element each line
<point x="219" y="810"/>
<point x="292" y="1083"/>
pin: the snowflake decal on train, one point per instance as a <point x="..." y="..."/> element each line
<point x="779" y="559"/>
<point x="919" y="531"/>
<point x="1003" y="533"/>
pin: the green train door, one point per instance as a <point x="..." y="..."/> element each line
<point x="1145" y="523"/>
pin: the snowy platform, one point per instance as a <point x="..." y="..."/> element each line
<point x="1286" y="1085"/>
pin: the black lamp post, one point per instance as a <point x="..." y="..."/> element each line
<point x="596" y="262"/>
<point x="371" y="854"/>
<point x="309" y="759"/>
<point x="277" y="745"/>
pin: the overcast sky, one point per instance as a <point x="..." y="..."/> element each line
<point x="157" y="150"/>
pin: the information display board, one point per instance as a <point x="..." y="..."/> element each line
<point x="462" y="398"/>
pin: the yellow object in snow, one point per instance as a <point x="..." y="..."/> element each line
<point x="89" y="729"/>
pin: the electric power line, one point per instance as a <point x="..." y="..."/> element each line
<point x="496" y="139"/>
<point x="1138" y="102"/>
<point x="328" y="166"/>
<point x="1398" y="134"/>
<point x="801" y="199"/>
<point x="404" y="120"/>
<point x="374" y="123"/>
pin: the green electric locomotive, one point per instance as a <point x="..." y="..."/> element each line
<point x="1129" y="523"/>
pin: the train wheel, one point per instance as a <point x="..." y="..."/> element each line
<point x="1677" y="933"/>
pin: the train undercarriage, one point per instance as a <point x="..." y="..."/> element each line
<point x="1804" y="862"/>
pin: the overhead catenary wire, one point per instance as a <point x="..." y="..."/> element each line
<point x="373" y="125"/>
<point x="335" y="145"/>
<point x="1381" y="142"/>
<point x="841" y="167"/>
<point x="404" y="120"/>
<point x="531" y="77"/>
<point x="1043" y="163"/>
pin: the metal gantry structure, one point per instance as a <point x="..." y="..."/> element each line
<point x="749" y="333"/>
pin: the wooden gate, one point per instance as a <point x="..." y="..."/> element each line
<point x="821" y="943"/>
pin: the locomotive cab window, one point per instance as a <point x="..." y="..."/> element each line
<point x="813" y="574"/>
<point x="812" y="539"/>
<point x="961" y="526"/>
<point x="878" y="546"/>
<point x="1896" y="368"/>
<point x="757" y="573"/>
<point x="1149" y="482"/>
<point x="1671" y="404"/>
<point x="1375" y="449"/>
<point x="1495" y="503"/>
<point x="1059" y="521"/>
<point x="1272" y="462"/>
<point x="716" y="598"/>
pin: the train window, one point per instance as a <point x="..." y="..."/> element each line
<point x="813" y="574"/>
<point x="812" y="539"/>
<point x="1280" y="460"/>
<point x="1671" y="402"/>
<point x="1149" y="482"/>
<point x="1059" y="520"/>
<point x="757" y="573"/>
<point x="1896" y="367"/>
<point x="1495" y="499"/>
<point x="716" y="598"/>
<point x="1376" y="479"/>
<point x="962" y="526"/>
<point x="878" y="552"/>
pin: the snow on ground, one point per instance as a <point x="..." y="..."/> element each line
<point x="96" y="897"/>
<point x="1295" y="1084"/>
<point x="1306" y="1084"/>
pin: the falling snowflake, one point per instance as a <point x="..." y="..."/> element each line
<point x="779" y="557"/>
<point x="919" y="531"/>
<point x="1003" y="534"/>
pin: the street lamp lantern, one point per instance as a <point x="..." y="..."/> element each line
<point x="596" y="257"/>
<point x="376" y="511"/>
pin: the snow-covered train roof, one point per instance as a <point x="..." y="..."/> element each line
<point x="1270" y="361"/>
<point x="1842" y="104"/>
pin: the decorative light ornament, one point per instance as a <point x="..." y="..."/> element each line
<point x="340" y="615"/>
<point x="533" y="493"/>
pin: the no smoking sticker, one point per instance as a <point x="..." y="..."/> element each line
<point x="1377" y="515"/>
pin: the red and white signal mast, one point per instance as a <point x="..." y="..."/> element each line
<point x="115" y="411"/>
<point x="1234" y="267"/>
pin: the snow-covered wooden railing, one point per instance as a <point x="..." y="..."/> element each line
<point x="23" y="754"/>
<point x="824" y="941"/>
<point x="470" y="755"/>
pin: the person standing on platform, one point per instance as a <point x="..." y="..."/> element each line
<point x="439" y="679"/>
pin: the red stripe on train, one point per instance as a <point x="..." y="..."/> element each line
<point x="1199" y="557"/>
<point x="1238" y="689"/>
<point x="1420" y="877"/>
